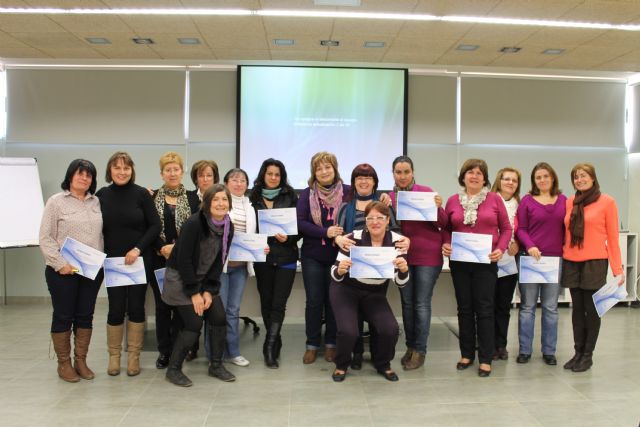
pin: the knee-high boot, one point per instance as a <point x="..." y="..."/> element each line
<point x="183" y="343"/>
<point x="217" y="340"/>
<point x="62" y="347"/>
<point x="82" y="338"/>
<point x="114" y="346"/>
<point x="135" y="337"/>
<point x="271" y="351"/>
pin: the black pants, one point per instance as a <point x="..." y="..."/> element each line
<point x="475" y="285"/>
<point x="585" y="320"/>
<point x="347" y="301"/>
<point x="167" y="323"/>
<point x="193" y="323"/>
<point x="274" y="286"/>
<point x="505" y="286"/>
<point x="73" y="298"/>
<point x="126" y="300"/>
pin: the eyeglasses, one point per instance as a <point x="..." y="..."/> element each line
<point x="375" y="218"/>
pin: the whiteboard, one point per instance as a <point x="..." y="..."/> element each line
<point x="22" y="203"/>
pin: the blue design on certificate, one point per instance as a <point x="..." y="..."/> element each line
<point x="471" y="247"/>
<point x="86" y="259"/>
<point x="544" y="270"/>
<point x="248" y="247"/>
<point x="117" y="273"/>
<point x="278" y="221"/>
<point x="608" y="296"/>
<point x="159" y="273"/>
<point x="372" y="262"/>
<point x="507" y="266"/>
<point x="417" y="206"/>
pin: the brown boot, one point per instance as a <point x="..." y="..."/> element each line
<point x="329" y="354"/>
<point x="135" y="337"/>
<point x="82" y="338"/>
<point x="114" y="346"/>
<point x="416" y="361"/>
<point x="309" y="356"/>
<point x="407" y="356"/>
<point x="62" y="347"/>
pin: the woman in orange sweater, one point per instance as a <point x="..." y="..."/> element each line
<point x="590" y="244"/>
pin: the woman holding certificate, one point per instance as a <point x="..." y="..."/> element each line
<point x="507" y="185"/>
<point x="590" y="245"/>
<point x="317" y="210"/>
<point x="192" y="283"/>
<point x="352" y="294"/>
<point x="130" y="226"/>
<point x="477" y="234"/>
<point x="271" y="190"/>
<point x="174" y="206"/>
<point x="541" y="231"/>
<point x="73" y="213"/>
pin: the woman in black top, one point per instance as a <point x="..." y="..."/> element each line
<point x="275" y="277"/>
<point x="192" y="283"/>
<point x="174" y="206"/>
<point x="204" y="173"/>
<point x="130" y="226"/>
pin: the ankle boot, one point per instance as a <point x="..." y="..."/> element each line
<point x="572" y="362"/>
<point x="217" y="339"/>
<point x="271" y="358"/>
<point x="82" y="338"/>
<point x="62" y="347"/>
<point x="407" y="356"/>
<point x="114" y="347"/>
<point x="135" y="337"/>
<point x="416" y="361"/>
<point x="584" y="363"/>
<point x="184" y="342"/>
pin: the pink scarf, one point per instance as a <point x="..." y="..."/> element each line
<point x="331" y="197"/>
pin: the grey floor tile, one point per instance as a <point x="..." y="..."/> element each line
<point x="243" y="415"/>
<point x="335" y="414"/>
<point x="554" y="413"/>
<point x="411" y="415"/>
<point x="491" y="415"/>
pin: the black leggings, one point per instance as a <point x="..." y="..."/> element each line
<point x="126" y="300"/>
<point x="73" y="298"/>
<point x="215" y="315"/>
<point x="274" y="286"/>
<point x="585" y="320"/>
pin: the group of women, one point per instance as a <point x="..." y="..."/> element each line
<point x="189" y="233"/>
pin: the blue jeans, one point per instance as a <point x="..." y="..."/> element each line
<point x="232" y="285"/>
<point x="416" y="305"/>
<point x="529" y="293"/>
<point x="317" y="277"/>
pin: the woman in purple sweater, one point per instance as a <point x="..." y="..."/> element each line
<point x="476" y="210"/>
<point x="317" y="211"/>
<point x="425" y="264"/>
<point x="541" y="232"/>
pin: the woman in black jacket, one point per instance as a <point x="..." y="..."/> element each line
<point x="192" y="281"/>
<point x="275" y="277"/>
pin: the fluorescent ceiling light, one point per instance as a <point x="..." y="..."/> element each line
<point x="98" y="40"/>
<point x="373" y="44"/>
<point x="283" y="42"/>
<point x="189" y="40"/>
<point x="553" y="51"/>
<point x="467" y="47"/>
<point x="142" y="40"/>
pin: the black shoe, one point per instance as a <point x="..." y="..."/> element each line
<point x="220" y="372"/>
<point x="523" y="358"/>
<point x="584" y="363"/>
<point x="572" y="362"/>
<point x="184" y="342"/>
<point x="356" y="362"/>
<point x="550" y="359"/>
<point x="338" y="377"/>
<point x="389" y="376"/>
<point x="503" y="354"/>
<point x="483" y="373"/>
<point x="461" y="366"/>
<point x="217" y="341"/>
<point x="175" y="376"/>
<point x="162" y="361"/>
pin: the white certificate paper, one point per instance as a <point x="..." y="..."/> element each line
<point x="117" y="273"/>
<point x="471" y="247"/>
<point x="248" y="247"/>
<point x="417" y="206"/>
<point x="609" y="295"/>
<point x="274" y="221"/>
<point x="86" y="259"/>
<point x="544" y="270"/>
<point x="507" y="265"/>
<point x="159" y="273"/>
<point x="372" y="262"/>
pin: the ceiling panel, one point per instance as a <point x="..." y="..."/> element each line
<point x="438" y="30"/>
<point x="86" y="52"/>
<point x="562" y="37"/>
<point x="134" y="52"/>
<point x="587" y="57"/>
<point x="421" y="46"/>
<point x="304" y="55"/>
<point x="369" y="55"/>
<point x="507" y="35"/>
<point x="7" y="40"/>
<point x="615" y="12"/>
<point x="247" y="42"/>
<point x="406" y="58"/>
<point x="21" y="52"/>
<point x="159" y="24"/>
<point x="242" y="54"/>
<point x="370" y="26"/>
<point x="229" y="26"/>
<point x="456" y="7"/>
<point x="12" y="23"/>
<point x="540" y="9"/>
<point x="91" y="23"/>
<point x="298" y="26"/>
<point x="51" y="40"/>
<point x="522" y="59"/>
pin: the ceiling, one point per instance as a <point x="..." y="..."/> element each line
<point x="412" y="43"/>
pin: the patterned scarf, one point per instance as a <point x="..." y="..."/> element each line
<point x="397" y="188"/>
<point x="576" y="220"/>
<point x="330" y="196"/>
<point x="183" y="210"/>
<point x="470" y="205"/>
<point x="225" y="224"/>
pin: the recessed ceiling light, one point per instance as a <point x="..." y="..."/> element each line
<point x="553" y="51"/>
<point x="374" y="44"/>
<point x="140" y="40"/>
<point x="283" y="42"/>
<point x="334" y="43"/>
<point x="98" y="40"/>
<point x="510" y="49"/>
<point x="352" y="3"/>
<point x="467" y="47"/>
<point x="188" y="40"/>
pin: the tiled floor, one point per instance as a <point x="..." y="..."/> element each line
<point x="304" y="395"/>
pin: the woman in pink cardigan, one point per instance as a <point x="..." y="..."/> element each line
<point x="476" y="210"/>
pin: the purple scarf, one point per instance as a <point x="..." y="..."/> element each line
<point x="226" y="225"/>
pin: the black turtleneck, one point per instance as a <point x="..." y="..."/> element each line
<point x="130" y="219"/>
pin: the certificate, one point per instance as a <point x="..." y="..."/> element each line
<point x="471" y="247"/>
<point x="544" y="270"/>
<point x="372" y="262"/>
<point x="274" y="221"/>
<point x="248" y="247"/>
<point x="87" y="260"/>
<point x="417" y="206"/>
<point x="507" y="265"/>
<point x="159" y="273"/>
<point x="117" y="273"/>
<point x="608" y="296"/>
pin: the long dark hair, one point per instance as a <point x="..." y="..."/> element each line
<point x="80" y="165"/>
<point x="259" y="184"/>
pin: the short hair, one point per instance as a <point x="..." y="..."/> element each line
<point x="497" y="184"/>
<point x="555" y="190"/>
<point x="589" y="169"/>
<point x="170" y="157"/>
<point x="80" y="165"/>
<point x="379" y="206"/>
<point x="472" y="164"/>
<point x="402" y="159"/>
<point x="364" y="169"/>
<point x="126" y="159"/>
<point x="200" y="166"/>
<point x="235" y="171"/>
<point x="323" y="157"/>
<point x="209" y="194"/>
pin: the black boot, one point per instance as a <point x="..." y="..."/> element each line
<point x="584" y="363"/>
<point x="579" y="350"/>
<point x="270" y="357"/>
<point x="184" y="343"/>
<point x="217" y="339"/>
<point x="278" y="346"/>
